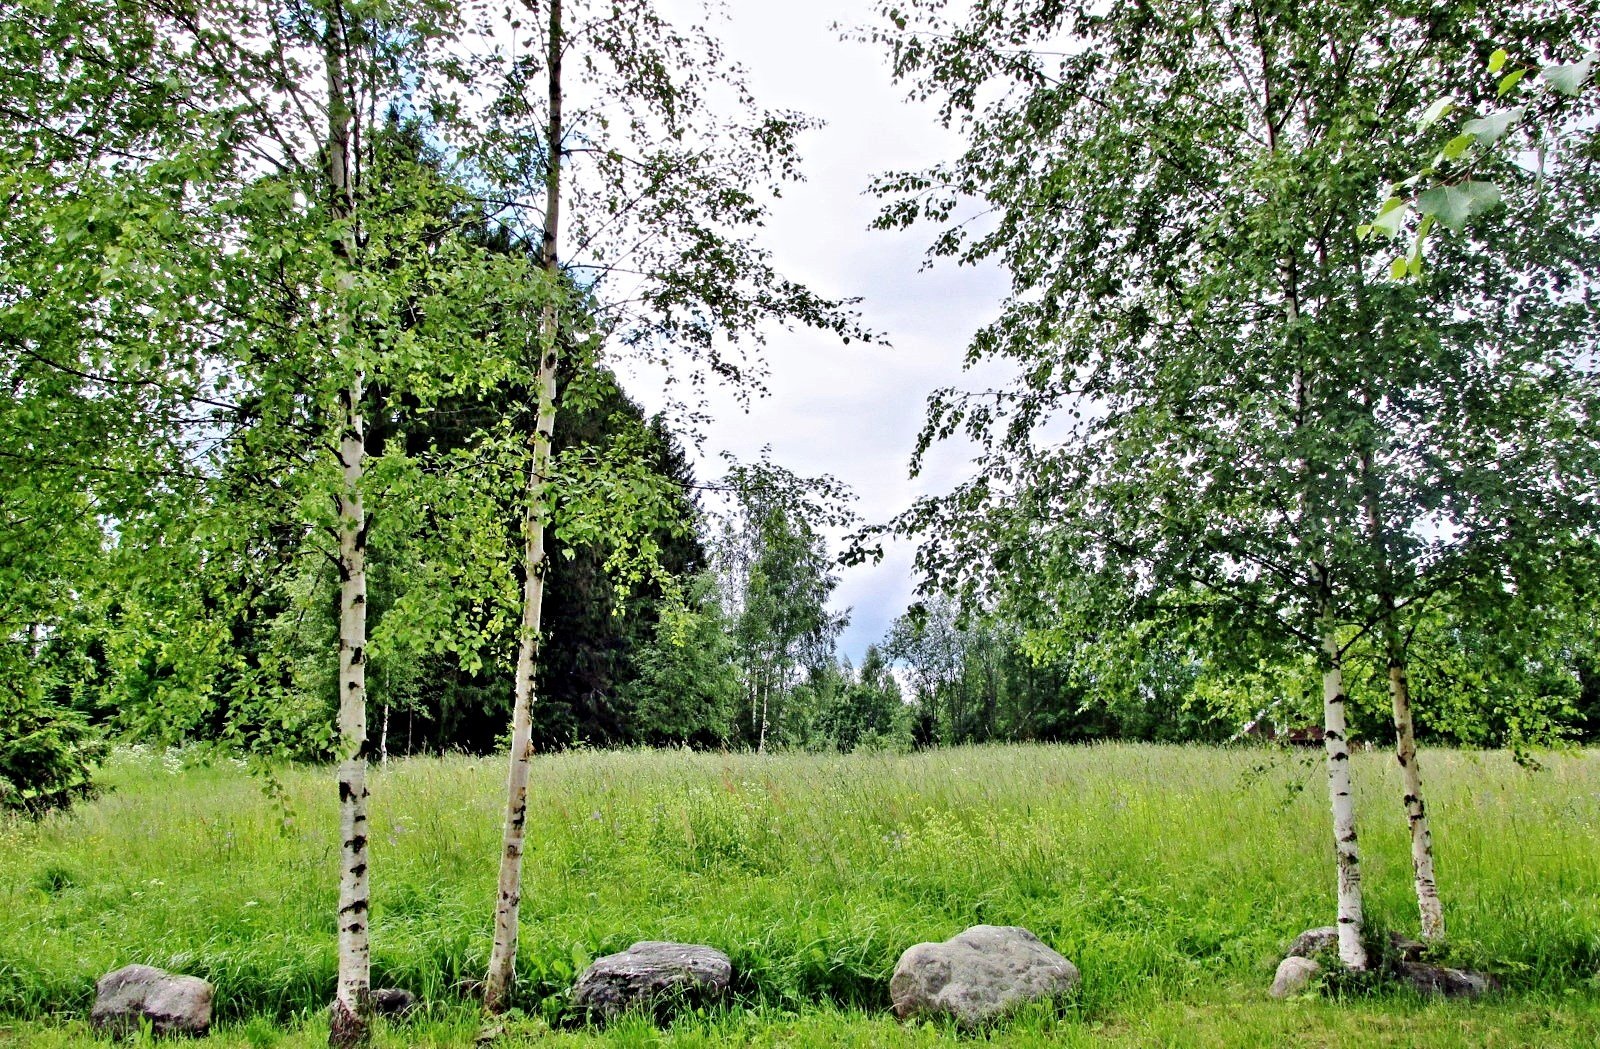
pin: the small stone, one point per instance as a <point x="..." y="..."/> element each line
<point x="1314" y="941"/>
<point x="652" y="974"/>
<point x="392" y="1002"/>
<point x="1449" y="983"/>
<point x="1294" y="976"/>
<point x="978" y="975"/>
<point x="172" y="1004"/>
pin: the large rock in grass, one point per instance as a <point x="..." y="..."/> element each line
<point x="650" y="976"/>
<point x="1294" y="975"/>
<point x="1450" y="983"/>
<point x="1325" y="938"/>
<point x="172" y="1004"/>
<point x="1313" y="942"/>
<point x="978" y="975"/>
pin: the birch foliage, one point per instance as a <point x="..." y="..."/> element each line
<point x="1224" y="415"/>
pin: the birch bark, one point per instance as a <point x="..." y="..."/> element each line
<point x="1335" y="741"/>
<point x="1429" y="906"/>
<point x="350" y="1019"/>
<point x="536" y="512"/>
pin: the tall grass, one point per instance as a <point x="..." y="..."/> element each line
<point x="1170" y="875"/>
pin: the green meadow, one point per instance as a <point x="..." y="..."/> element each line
<point x="1173" y="876"/>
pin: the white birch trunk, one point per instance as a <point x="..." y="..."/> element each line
<point x="1351" y="951"/>
<point x="1429" y="906"/>
<point x="352" y="997"/>
<point x="350" y="1013"/>
<point x="761" y="741"/>
<point x="1428" y="903"/>
<point x="503" y="959"/>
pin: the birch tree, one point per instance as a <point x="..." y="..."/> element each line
<point x="775" y="571"/>
<point x="247" y="264"/>
<point x="643" y="178"/>
<point x="1224" y="414"/>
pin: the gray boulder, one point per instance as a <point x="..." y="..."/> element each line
<point x="1294" y="976"/>
<point x="978" y="975"/>
<point x="1405" y="948"/>
<point x="1450" y="983"/>
<point x="651" y="975"/>
<point x="1314" y="941"/>
<point x="173" y="1004"/>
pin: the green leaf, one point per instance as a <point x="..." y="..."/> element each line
<point x="1509" y="81"/>
<point x="1457" y="147"/>
<point x="1398" y="269"/>
<point x="1570" y="77"/>
<point x="1452" y="206"/>
<point x="1497" y="60"/>
<point x="1492" y="128"/>
<point x="1439" y="108"/>
<point x="1390" y="220"/>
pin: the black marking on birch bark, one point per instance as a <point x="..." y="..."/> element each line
<point x="1339" y="756"/>
<point x="344" y="571"/>
<point x="356" y="928"/>
<point x="1349" y="839"/>
<point x="359" y="599"/>
<point x="1344" y="920"/>
<point x="346" y="792"/>
<point x="358" y="870"/>
<point x="1404" y="761"/>
<point x="357" y="843"/>
<point x="357" y="655"/>
<point x="1411" y="800"/>
<point x="359" y="905"/>
<point x="361" y="534"/>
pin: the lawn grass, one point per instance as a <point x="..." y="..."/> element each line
<point x="1173" y="876"/>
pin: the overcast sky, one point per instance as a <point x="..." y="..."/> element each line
<point x="850" y="411"/>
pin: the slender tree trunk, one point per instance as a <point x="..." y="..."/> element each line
<point x="761" y="742"/>
<point x="383" y="738"/>
<point x="1429" y="906"/>
<point x="1428" y="903"/>
<point x="350" y="1013"/>
<point x="502" y="961"/>
<point x="1335" y="742"/>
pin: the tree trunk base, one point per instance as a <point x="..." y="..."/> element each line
<point x="348" y="1028"/>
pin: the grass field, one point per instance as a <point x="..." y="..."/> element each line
<point x="1173" y="876"/>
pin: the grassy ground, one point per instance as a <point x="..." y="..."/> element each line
<point x="1173" y="876"/>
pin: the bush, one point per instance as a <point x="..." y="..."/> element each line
<point x="47" y="756"/>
